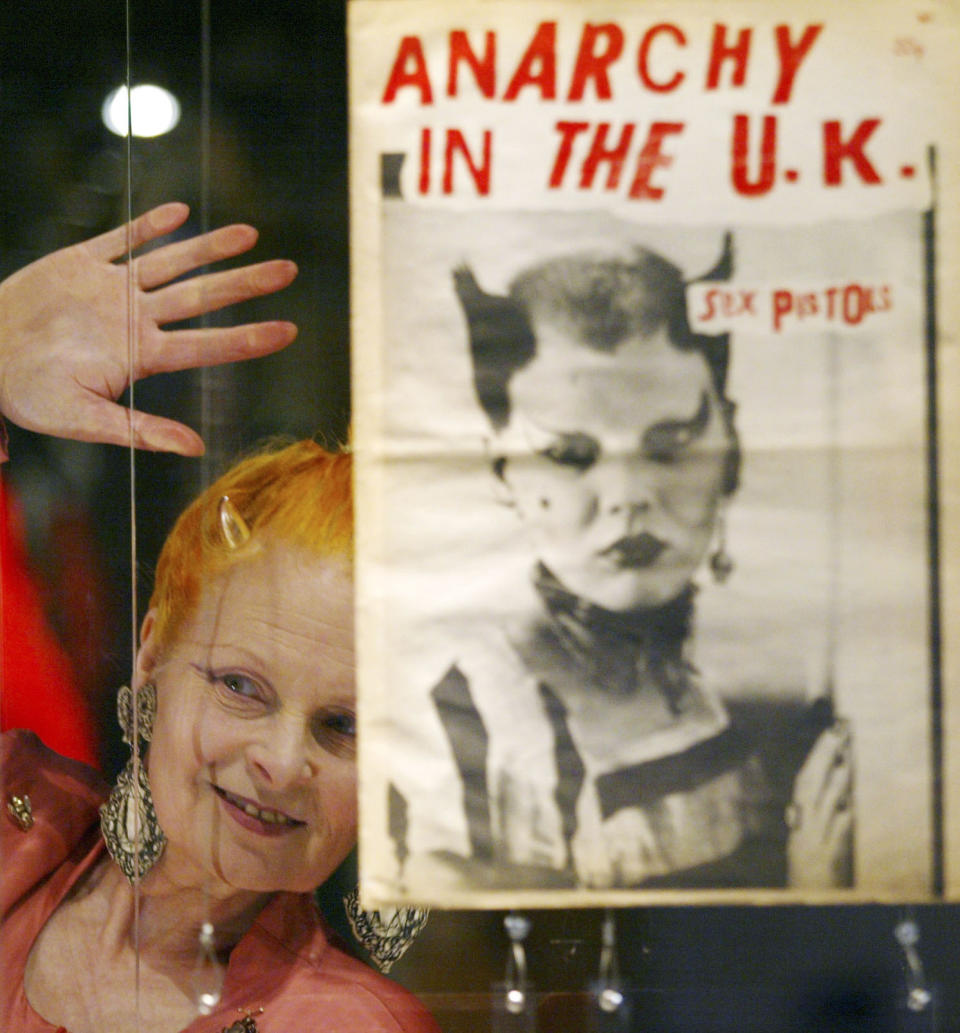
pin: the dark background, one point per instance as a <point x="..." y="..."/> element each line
<point x="278" y="159"/>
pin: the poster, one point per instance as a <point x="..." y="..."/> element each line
<point x="653" y="338"/>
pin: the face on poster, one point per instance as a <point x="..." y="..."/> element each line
<point x="644" y="464"/>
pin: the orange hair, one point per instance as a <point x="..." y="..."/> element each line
<point x="299" y="494"/>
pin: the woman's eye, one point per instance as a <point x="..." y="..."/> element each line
<point x="665" y="446"/>
<point x="668" y="441"/>
<point x="336" y="731"/>
<point x="576" y="451"/>
<point x="240" y="685"/>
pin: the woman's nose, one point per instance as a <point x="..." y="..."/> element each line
<point x="624" y="488"/>
<point x="282" y="758"/>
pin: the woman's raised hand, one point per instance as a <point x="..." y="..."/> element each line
<point x="64" y="353"/>
<point x="820" y="818"/>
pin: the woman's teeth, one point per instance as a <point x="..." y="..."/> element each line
<point x="265" y="815"/>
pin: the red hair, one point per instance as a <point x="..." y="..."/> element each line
<point x="299" y="494"/>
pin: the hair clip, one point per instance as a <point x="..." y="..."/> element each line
<point x="232" y="526"/>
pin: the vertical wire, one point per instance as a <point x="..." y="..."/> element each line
<point x="206" y="416"/>
<point x="834" y="517"/>
<point x="131" y="450"/>
<point x="217" y="384"/>
<point x="933" y="458"/>
<point x="208" y="996"/>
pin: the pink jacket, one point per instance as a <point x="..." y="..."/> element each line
<point x="285" y="972"/>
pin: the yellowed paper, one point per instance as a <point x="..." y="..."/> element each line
<point x="654" y="419"/>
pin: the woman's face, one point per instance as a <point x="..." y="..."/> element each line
<point x="615" y="461"/>
<point x="251" y="763"/>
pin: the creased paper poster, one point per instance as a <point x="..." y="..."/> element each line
<point x="654" y="335"/>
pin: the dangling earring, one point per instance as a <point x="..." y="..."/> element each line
<point x="721" y="562"/>
<point x="128" y="820"/>
<point x="385" y="935"/>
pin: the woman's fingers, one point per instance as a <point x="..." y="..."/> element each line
<point x="187" y="349"/>
<point x="813" y="775"/>
<point x="213" y="291"/>
<point x="113" y="424"/>
<point x="823" y="788"/>
<point x="167" y="263"/>
<point x="200" y="294"/>
<point x="64" y="359"/>
<point x="833" y="803"/>
<point x="157" y="434"/>
<point x="153" y="224"/>
<point x="820" y="816"/>
<point x="836" y="802"/>
<point x="84" y="415"/>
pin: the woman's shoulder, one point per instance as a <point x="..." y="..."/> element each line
<point x="349" y="995"/>
<point x="382" y="1003"/>
<point x="25" y="763"/>
<point x="311" y="974"/>
<point x="50" y="803"/>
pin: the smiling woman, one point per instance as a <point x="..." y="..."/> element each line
<point x="252" y="755"/>
<point x="240" y="796"/>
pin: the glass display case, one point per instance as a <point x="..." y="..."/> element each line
<point x="261" y="138"/>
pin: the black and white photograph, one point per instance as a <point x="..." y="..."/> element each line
<point x="647" y="447"/>
<point x="634" y="633"/>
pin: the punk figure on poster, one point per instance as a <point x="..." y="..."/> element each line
<point x="649" y="594"/>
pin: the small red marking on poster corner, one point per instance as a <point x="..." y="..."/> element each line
<point x="791" y="175"/>
<point x="908" y="171"/>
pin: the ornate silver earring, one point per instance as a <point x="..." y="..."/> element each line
<point x="721" y="562"/>
<point x="128" y="820"/>
<point x="385" y="935"/>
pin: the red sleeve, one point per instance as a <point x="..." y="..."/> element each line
<point x="38" y="689"/>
